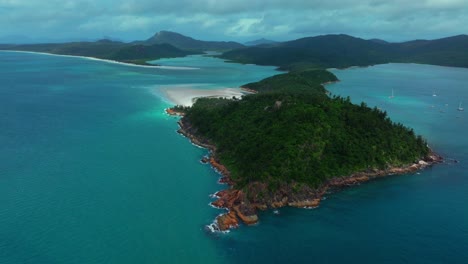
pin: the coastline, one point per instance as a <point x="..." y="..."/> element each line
<point x="188" y="96"/>
<point x="91" y="58"/>
<point x="242" y="206"/>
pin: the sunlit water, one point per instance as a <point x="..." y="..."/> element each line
<point x="92" y="171"/>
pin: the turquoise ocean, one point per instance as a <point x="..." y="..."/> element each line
<point x="93" y="171"/>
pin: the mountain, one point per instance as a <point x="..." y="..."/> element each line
<point x="380" y="41"/>
<point x="183" y="42"/>
<point x="163" y="44"/>
<point x="344" y="51"/>
<point x="450" y="51"/>
<point x="322" y="51"/>
<point x="148" y="52"/>
<point x="261" y="41"/>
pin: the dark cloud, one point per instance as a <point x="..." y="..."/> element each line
<point x="239" y="20"/>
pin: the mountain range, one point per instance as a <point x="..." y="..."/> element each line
<point x="343" y="51"/>
<point x="337" y="50"/>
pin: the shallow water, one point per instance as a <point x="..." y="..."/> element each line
<point x="92" y="171"/>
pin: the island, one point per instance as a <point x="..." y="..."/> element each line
<point x="292" y="142"/>
<point x="163" y="44"/>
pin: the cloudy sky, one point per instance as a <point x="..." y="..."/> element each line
<point x="239" y="20"/>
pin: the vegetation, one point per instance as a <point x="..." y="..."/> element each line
<point x="293" y="131"/>
<point x="188" y="43"/>
<point x="305" y="81"/>
<point x="145" y="53"/>
<point x="105" y="49"/>
<point x="341" y="51"/>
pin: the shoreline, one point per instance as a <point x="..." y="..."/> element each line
<point x="95" y="59"/>
<point x="188" y="96"/>
<point x="243" y="206"/>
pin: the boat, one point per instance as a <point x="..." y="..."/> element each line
<point x="391" y="96"/>
<point x="434" y="94"/>
<point x="460" y="108"/>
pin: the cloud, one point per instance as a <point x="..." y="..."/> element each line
<point x="239" y="20"/>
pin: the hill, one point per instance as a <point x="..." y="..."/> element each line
<point x="261" y="41"/>
<point x="187" y="43"/>
<point x="343" y="51"/>
<point x="106" y="49"/>
<point x="451" y="51"/>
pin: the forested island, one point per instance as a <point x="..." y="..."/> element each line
<point x="291" y="142"/>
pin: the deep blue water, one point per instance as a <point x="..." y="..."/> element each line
<point x="92" y="171"/>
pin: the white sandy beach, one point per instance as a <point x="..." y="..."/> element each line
<point x="187" y="96"/>
<point x="162" y="67"/>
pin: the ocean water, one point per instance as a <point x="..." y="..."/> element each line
<point x="92" y="171"/>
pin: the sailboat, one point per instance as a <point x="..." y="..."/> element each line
<point x="391" y="96"/>
<point x="434" y="94"/>
<point x="460" y="108"/>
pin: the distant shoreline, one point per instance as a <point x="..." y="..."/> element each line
<point x="152" y="66"/>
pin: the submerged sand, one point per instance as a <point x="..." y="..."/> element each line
<point x="187" y="96"/>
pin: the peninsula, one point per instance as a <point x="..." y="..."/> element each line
<point x="290" y="143"/>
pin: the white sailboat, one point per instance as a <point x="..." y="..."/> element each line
<point x="434" y="94"/>
<point x="391" y="96"/>
<point x="460" y="108"/>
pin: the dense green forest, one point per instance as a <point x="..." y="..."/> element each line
<point x="340" y="51"/>
<point x="293" y="131"/>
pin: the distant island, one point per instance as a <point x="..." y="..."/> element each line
<point x="326" y="51"/>
<point x="341" y="51"/>
<point x="164" y="44"/>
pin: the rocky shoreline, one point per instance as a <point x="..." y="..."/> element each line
<point x="243" y="205"/>
<point x="173" y="112"/>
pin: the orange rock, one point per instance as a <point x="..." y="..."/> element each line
<point x="247" y="219"/>
<point x="171" y="111"/>
<point x="228" y="198"/>
<point x="227" y="221"/>
<point x="306" y="203"/>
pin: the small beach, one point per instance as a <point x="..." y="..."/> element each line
<point x="187" y="96"/>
